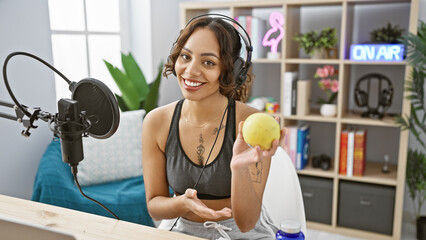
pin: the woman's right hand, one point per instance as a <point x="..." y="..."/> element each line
<point x="195" y="205"/>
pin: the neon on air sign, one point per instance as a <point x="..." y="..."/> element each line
<point x="377" y="52"/>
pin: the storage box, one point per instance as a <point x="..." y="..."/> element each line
<point x="317" y="197"/>
<point x="367" y="207"/>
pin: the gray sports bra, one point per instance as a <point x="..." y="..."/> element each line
<point x="182" y="173"/>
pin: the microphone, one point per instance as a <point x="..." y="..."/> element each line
<point x="70" y="128"/>
<point x="93" y="110"/>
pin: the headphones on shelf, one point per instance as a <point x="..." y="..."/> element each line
<point x="385" y="95"/>
<point x="241" y="66"/>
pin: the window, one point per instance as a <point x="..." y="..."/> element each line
<point x="84" y="34"/>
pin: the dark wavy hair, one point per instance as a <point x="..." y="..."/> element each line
<point x="230" y="48"/>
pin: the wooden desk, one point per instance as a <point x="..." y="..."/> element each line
<point x="82" y="225"/>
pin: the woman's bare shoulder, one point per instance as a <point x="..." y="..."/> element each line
<point x="156" y="124"/>
<point x="158" y="120"/>
<point x="161" y="114"/>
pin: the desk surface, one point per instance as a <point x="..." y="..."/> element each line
<point x="82" y="225"/>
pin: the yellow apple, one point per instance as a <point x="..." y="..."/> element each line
<point x="260" y="129"/>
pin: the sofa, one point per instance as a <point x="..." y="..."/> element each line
<point x="110" y="173"/>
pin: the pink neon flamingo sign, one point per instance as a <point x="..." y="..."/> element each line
<point x="276" y="20"/>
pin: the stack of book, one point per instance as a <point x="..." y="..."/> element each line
<point x="290" y="94"/>
<point x="296" y="144"/>
<point x="296" y="95"/>
<point x="352" y="152"/>
<point x="256" y="29"/>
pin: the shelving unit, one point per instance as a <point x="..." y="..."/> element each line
<point x="350" y="29"/>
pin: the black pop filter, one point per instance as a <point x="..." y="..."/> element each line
<point x="101" y="107"/>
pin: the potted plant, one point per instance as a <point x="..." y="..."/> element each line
<point x="136" y="92"/>
<point x="317" y="44"/>
<point x="387" y="34"/>
<point x="416" y="122"/>
<point x="327" y="76"/>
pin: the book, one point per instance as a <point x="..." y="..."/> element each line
<point x="350" y="155"/>
<point x="255" y="28"/>
<point x="292" y="143"/>
<point x="302" y="155"/>
<point x="359" y="153"/>
<point x="258" y="30"/>
<point x="343" y="152"/>
<point x="303" y="95"/>
<point x="289" y="79"/>
<point x="286" y="143"/>
<point x="294" y="98"/>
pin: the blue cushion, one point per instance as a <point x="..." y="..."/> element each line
<point x="54" y="184"/>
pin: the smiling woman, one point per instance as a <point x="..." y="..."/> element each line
<point x="195" y="145"/>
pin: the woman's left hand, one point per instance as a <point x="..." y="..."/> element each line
<point x="245" y="155"/>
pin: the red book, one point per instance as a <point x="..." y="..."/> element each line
<point x="359" y="153"/>
<point x="343" y="152"/>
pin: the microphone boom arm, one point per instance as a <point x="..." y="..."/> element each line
<point x="24" y="119"/>
<point x="8" y="116"/>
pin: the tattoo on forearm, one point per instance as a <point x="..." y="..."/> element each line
<point x="215" y="130"/>
<point x="256" y="172"/>
<point x="200" y="150"/>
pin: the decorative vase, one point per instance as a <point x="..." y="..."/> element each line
<point x="273" y="55"/>
<point x="328" y="110"/>
<point x="331" y="53"/>
<point x="318" y="54"/>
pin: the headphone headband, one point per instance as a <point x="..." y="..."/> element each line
<point x="247" y="40"/>
<point x="374" y="76"/>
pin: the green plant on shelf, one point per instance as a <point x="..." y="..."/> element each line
<point x="136" y="92"/>
<point x="416" y="121"/>
<point x="322" y="41"/>
<point x="387" y="34"/>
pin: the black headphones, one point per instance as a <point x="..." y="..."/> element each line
<point x="385" y="95"/>
<point x="241" y="66"/>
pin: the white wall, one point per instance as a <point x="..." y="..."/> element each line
<point x="153" y="29"/>
<point x="165" y="30"/>
<point x="24" y="26"/>
<point x="139" y="24"/>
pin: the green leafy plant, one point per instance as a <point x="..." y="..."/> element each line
<point x="416" y="121"/>
<point x="387" y="34"/>
<point x="136" y="92"/>
<point x="416" y="178"/>
<point x="313" y="40"/>
<point x="416" y="47"/>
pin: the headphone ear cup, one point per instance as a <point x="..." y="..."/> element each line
<point x="361" y="98"/>
<point x="385" y="98"/>
<point x="238" y="73"/>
